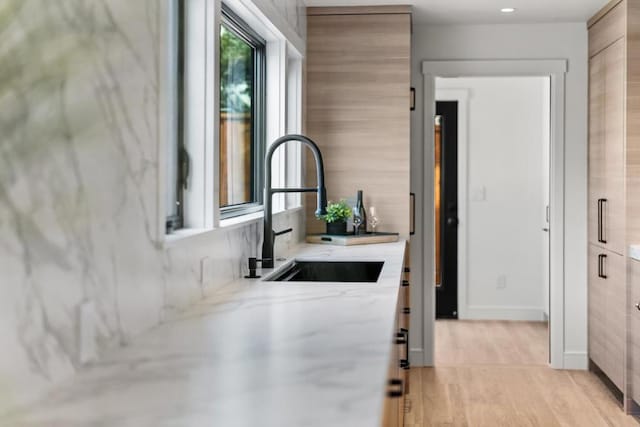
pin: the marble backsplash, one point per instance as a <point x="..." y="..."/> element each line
<point x="81" y="268"/>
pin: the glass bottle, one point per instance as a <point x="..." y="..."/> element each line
<point x="359" y="216"/>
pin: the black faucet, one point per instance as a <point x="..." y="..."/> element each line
<point x="269" y="234"/>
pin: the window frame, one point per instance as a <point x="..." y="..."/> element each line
<point x="189" y="145"/>
<point x="174" y="219"/>
<point x="241" y="29"/>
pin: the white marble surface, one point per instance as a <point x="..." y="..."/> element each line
<point x="634" y="252"/>
<point x="253" y="354"/>
<point x="81" y="119"/>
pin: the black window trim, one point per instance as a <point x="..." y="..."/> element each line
<point x="258" y="111"/>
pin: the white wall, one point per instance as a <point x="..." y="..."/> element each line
<point x="82" y="119"/>
<point x="533" y="41"/>
<point x="505" y="139"/>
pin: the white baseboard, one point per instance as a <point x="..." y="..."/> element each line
<point x="482" y="312"/>
<point x="577" y="360"/>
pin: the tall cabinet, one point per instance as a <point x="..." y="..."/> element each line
<point x="358" y="71"/>
<point x="614" y="131"/>
<point x="358" y="107"/>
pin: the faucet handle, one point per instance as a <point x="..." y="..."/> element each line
<point x="280" y="233"/>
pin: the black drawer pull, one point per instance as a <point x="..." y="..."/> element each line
<point x="398" y="390"/>
<point x="406" y="310"/>
<point x="601" y="206"/>
<point x="601" y="259"/>
<point x="407" y="270"/>
<point x="405" y="283"/>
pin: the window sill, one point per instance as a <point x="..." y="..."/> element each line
<point x="182" y="236"/>
<point x="241" y="219"/>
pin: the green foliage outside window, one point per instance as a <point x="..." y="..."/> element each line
<point x="236" y="73"/>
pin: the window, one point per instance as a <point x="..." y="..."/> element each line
<point x="242" y="130"/>
<point x="217" y="68"/>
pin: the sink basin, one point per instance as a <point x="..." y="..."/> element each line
<point x="329" y="271"/>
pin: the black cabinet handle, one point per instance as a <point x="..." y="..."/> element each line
<point x="601" y="205"/>
<point x="407" y="269"/>
<point x="404" y="363"/>
<point x="401" y="339"/>
<point x="601" y="259"/>
<point x="412" y="197"/>
<point x="405" y="283"/>
<point x="398" y="388"/>
<point x="406" y="310"/>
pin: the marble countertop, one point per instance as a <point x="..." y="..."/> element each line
<point x="253" y="354"/>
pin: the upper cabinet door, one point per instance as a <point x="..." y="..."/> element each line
<point x="358" y="93"/>
<point x="596" y="145"/>
<point x="614" y="207"/>
<point x="606" y="29"/>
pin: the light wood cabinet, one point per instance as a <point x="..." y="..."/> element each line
<point x="398" y="374"/>
<point x="614" y="199"/>
<point x="597" y="312"/>
<point x="614" y="208"/>
<point x="607" y="308"/>
<point x="634" y="328"/>
<point x="358" y="108"/>
<point x="596" y="145"/>
<point x="606" y="148"/>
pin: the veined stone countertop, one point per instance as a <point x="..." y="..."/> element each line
<point x="255" y="353"/>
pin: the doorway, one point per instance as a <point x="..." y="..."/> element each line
<point x="446" y="209"/>
<point x="503" y="231"/>
<point x="556" y="69"/>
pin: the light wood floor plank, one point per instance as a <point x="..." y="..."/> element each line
<point x="493" y="374"/>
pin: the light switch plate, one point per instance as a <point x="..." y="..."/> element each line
<point x="479" y="194"/>
<point x="87" y="330"/>
<point x="206" y="270"/>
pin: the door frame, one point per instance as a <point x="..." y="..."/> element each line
<point x="462" y="97"/>
<point x="556" y="69"/>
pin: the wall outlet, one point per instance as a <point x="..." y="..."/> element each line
<point x="501" y="283"/>
<point x="87" y="332"/>
<point x="206" y="270"/>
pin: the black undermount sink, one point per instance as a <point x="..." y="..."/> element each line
<point x="330" y="271"/>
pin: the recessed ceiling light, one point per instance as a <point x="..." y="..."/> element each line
<point x="507" y="10"/>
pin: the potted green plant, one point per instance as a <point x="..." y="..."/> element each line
<point x="336" y="217"/>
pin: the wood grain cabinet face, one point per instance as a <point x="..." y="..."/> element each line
<point x="614" y="267"/>
<point x="606" y="148"/>
<point x="634" y="332"/>
<point x="614" y="214"/>
<point x="597" y="311"/>
<point x="607" y="312"/>
<point x="358" y="87"/>
<point x="596" y="144"/>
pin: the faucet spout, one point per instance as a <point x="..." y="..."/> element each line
<point x="269" y="234"/>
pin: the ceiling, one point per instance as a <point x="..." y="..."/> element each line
<point x="485" y="11"/>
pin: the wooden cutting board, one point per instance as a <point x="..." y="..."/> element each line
<point x="351" y="239"/>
